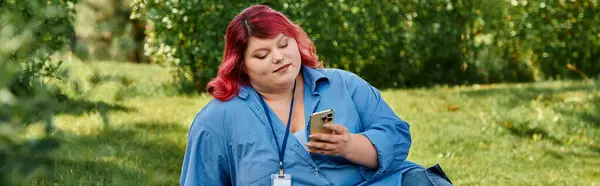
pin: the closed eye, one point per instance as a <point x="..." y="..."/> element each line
<point x="261" y="57"/>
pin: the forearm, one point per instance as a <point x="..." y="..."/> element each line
<point x="361" y="151"/>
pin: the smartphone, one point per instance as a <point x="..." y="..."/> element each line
<point x="318" y="119"/>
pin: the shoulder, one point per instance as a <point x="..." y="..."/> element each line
<point x="213" y="116"/>
<point x="339" y="74"/>
<point x="349" y="79"/>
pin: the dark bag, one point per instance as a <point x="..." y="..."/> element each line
<point x="438" y="170"/>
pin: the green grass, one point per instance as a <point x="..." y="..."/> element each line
<point x="508" y="134"/>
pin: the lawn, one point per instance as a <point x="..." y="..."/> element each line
<point x="545" y="133"/>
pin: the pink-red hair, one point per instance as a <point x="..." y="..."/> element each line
<point x="256" y="21"/>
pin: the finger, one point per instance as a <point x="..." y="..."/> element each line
<point x="324" y="152"/>
<point x="320" y="146"/>
<point x="330" y="138"/>
<point x="337" y="128"/>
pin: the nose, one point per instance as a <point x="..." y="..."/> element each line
<point x="277" y="56"/>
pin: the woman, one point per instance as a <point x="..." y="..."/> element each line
<point x="268" y="84"/>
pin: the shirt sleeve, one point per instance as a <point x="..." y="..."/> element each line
<point x="387" y="132"/>
<point x="205" y="161"/>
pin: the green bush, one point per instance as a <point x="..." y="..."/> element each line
<point x="105" y="31"/>
<point x="30" y="32"/>
<point x="401" y="43"/>
<point x="561" y="33"/>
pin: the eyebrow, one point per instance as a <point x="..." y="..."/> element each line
<point x="278" y="41"/>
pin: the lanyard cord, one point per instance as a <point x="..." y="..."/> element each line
<point x="287" y="129"/>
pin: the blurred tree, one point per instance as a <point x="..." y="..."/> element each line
<point x="30" y="32"/>
<point x="395" y="43"/>
<point x="186" y="35"/>
<point x="561" y="34"/>
<point x="105" y="28"/>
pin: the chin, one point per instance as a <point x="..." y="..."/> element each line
<point x="289" y="77"/>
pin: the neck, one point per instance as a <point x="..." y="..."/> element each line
<point x="279" y="93"/>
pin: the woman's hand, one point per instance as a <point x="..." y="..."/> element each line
<point x="353" y="147"/>
<point x="335" y="144"/>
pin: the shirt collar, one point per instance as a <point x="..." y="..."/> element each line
<point x="312" y="78"/>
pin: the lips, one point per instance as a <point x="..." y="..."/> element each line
<point x="282" y="67"/>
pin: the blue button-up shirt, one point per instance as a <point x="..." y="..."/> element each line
<point x="230" y="142"/>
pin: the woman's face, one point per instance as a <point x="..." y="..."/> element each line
<point x="272" y="63"/>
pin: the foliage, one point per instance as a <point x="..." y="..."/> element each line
<point x="563" y="36"/>
<point x="104" y="31"/>
<point x="182" y="35"/>
<point x="397" y="43"/>
<point x="30" y="32"/>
